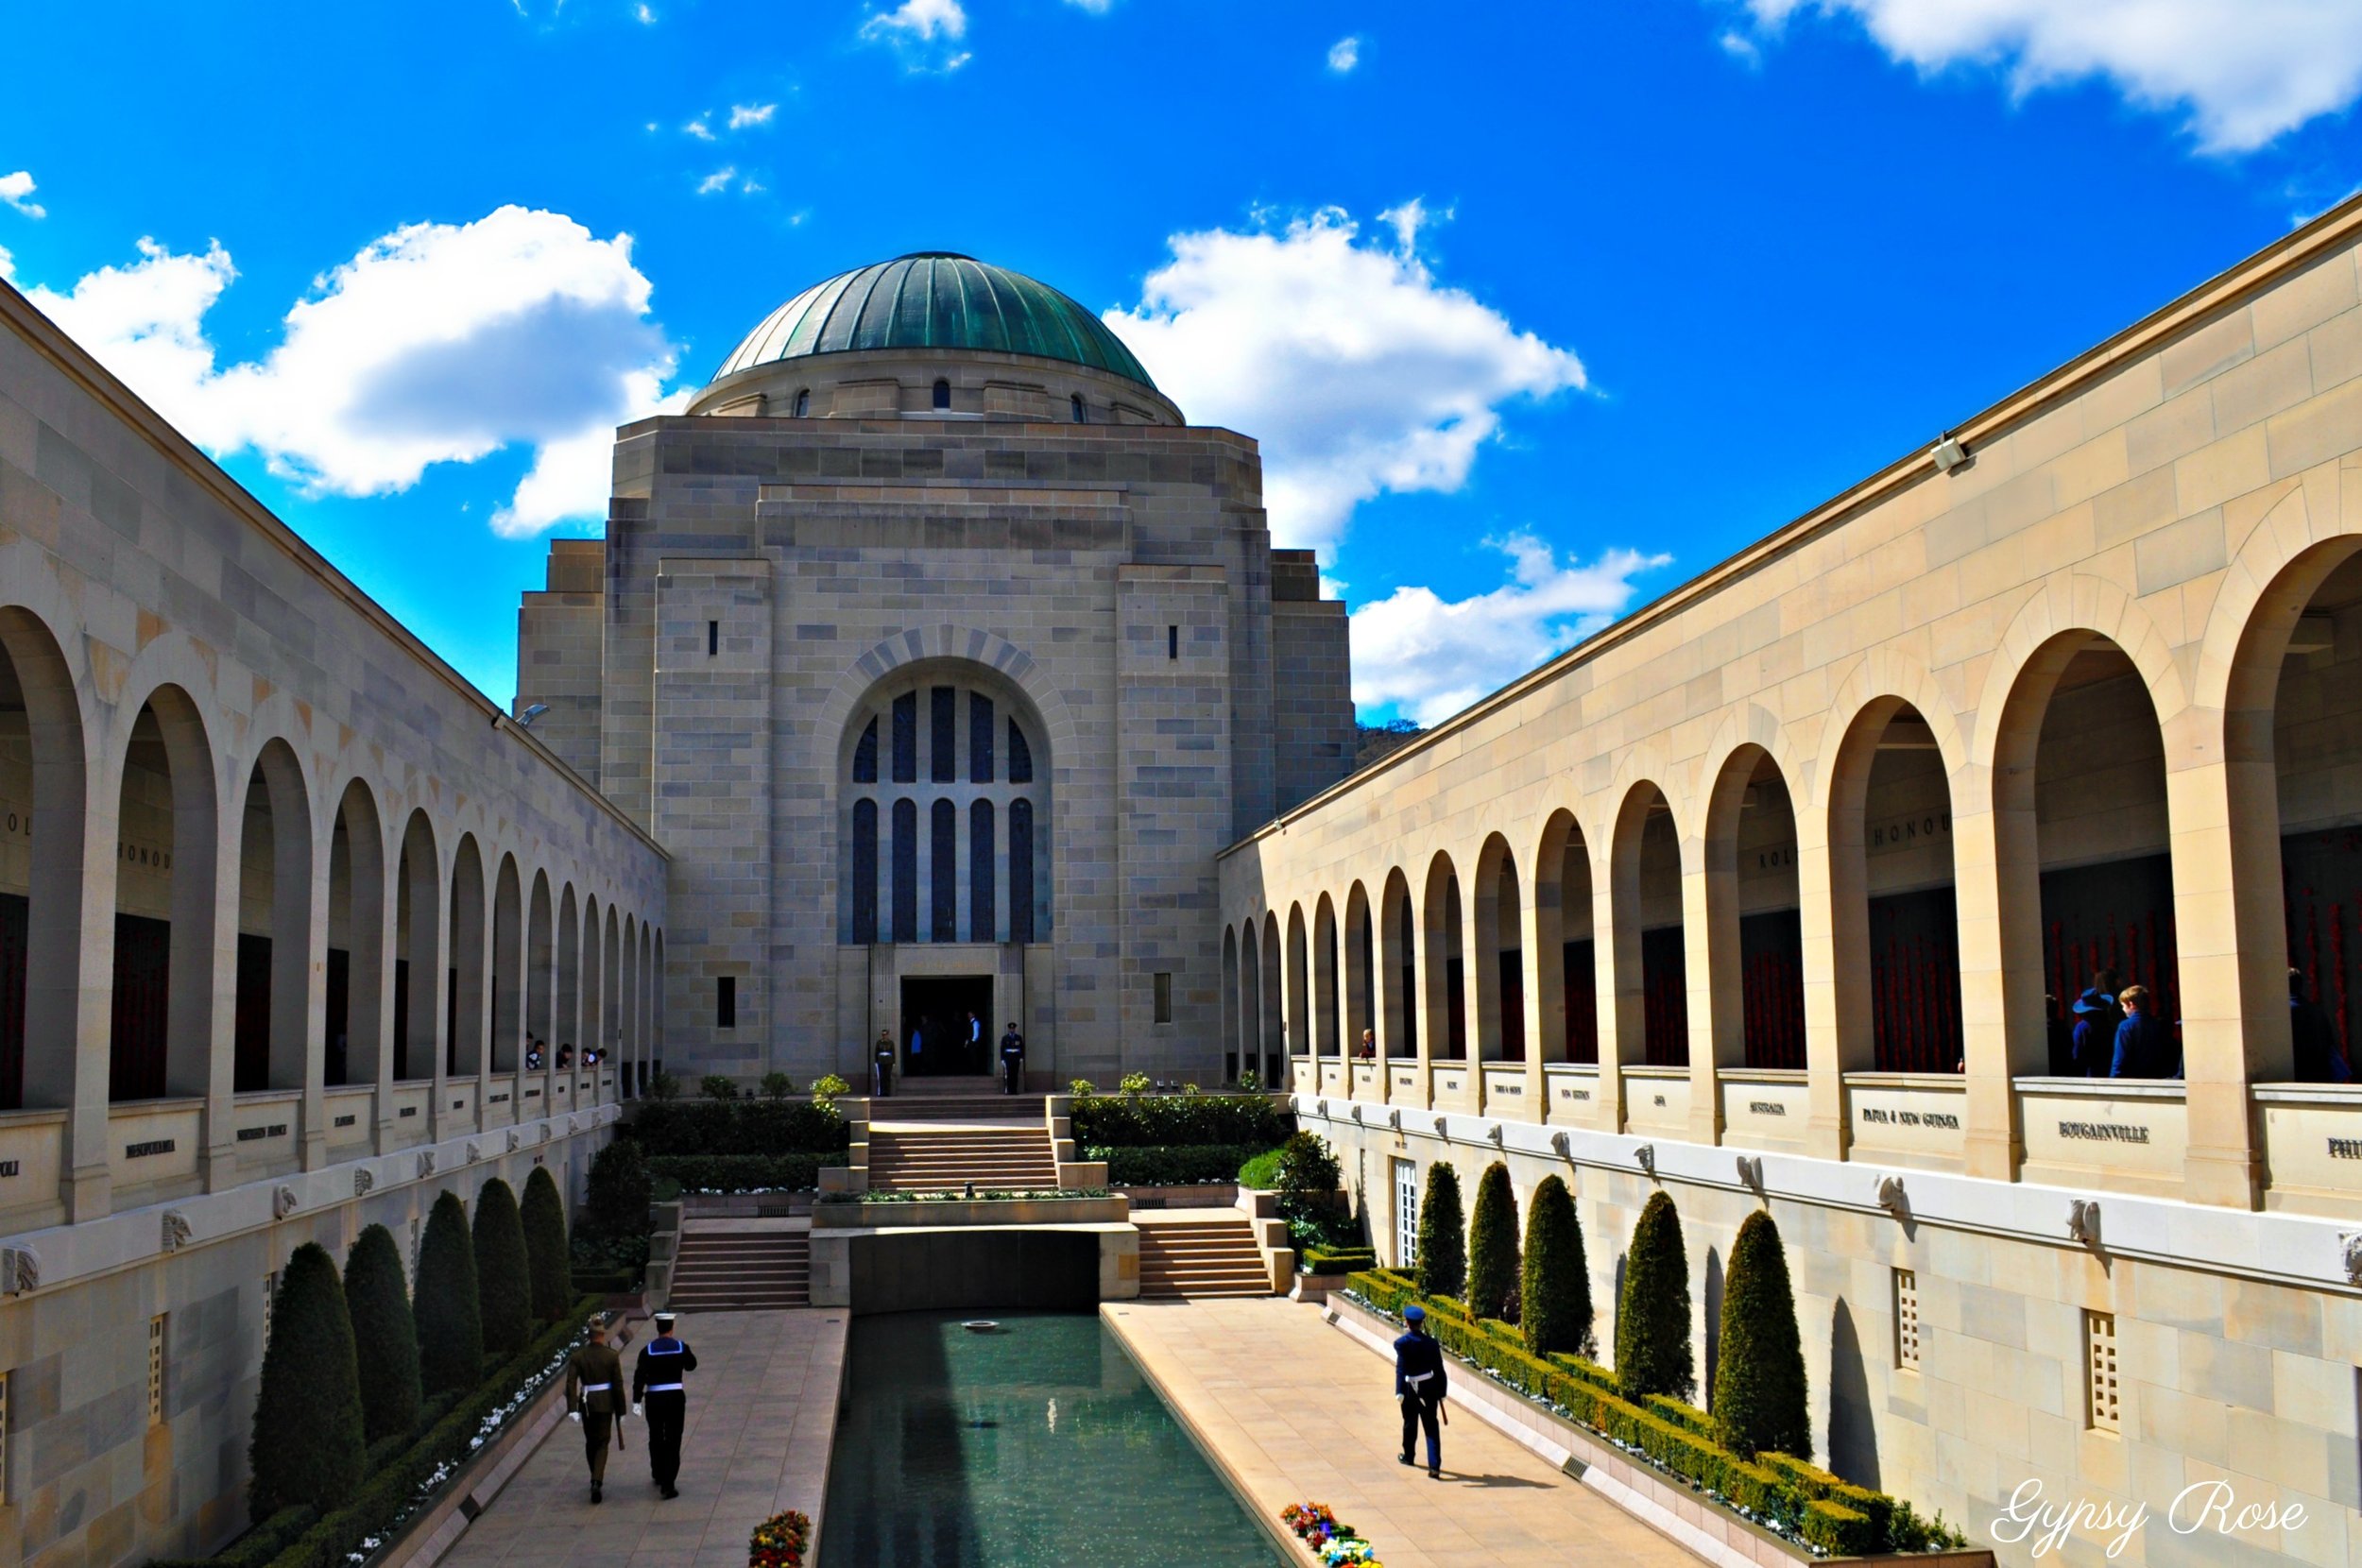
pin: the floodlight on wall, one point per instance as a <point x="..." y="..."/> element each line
<point x="525" y="720"/>
<point x="1948" y="453"/>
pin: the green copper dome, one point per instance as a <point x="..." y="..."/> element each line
<point x="936" y="299"/>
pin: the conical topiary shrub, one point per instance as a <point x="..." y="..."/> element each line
<point x="1759" y="1391"/>
<point x="307" y="1445"/>
<point x="378" y="1302"/>
<point x="1493" y="1247"/>
<point x="1555" y="1296"/>
<point x="546" y="1254"/>
<point x="1652" y="1355"/>
<point x="1442" y="1266"/>
<point x="445" y="1306"/>
<point x="616" y="1204"/>
<point x="504" y="1276"/>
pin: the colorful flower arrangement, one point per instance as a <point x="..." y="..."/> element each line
<point x="779" y="1541"/>
<point x="1332" y="1543"/>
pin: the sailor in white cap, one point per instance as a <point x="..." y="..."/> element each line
<point x="656" y="1384"/>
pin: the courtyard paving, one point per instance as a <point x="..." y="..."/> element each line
<point x="1297" y="1411"/>
<point x="762" y="1409"/>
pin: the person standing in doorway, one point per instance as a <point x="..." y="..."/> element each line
<point x="972" y="1046"/>
<point x="595" y="1400"/>
<point x="1419" y="1385"/>
<point x="881" y="1065"/>
<point x="1012" y="1060"/>
<point x="2318" y="1060"/>
<point x="656" y="1384"/>
<point x="919" y="1040"/>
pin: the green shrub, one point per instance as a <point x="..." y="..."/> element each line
<point x="1554" y="1285"/>
<point x="778" y="1085"/>
<point x="1261" y="1172"/>
<point x="1079" y="1088"/>
<point x="369" y="1511"/>
<point x="546" y="1249"/>
<point x="1652" y="1354"/>
<point x="1147" y="1121"/>
<point x="1135" y="1083"/>
<point x="377" y="1302"/>
<point x="255" y="1548"/>
<point x="663" y="1086"/>
<point x="825" y="1090"/>
<point x="308" y="1444"/>
<point x="715" y="1085"/>
<point x="1838" y="1530"/>
<point x="616" y="1202"/>
<point x="1338" y="1260"/>
<point x="1187" y="1164"/>
<point x="738" y="1172"/>
<point x="739" y="1126"/>
<point x="504" y="1272"/>
<point x="1308" y="1175"/>
<point x="446" y="1309"/>
<point x="1759" y="1390"/>
<point x="1443" y="1238"/>
<point x="1493" y="1247"/>
<point x="1249" y="1080"/>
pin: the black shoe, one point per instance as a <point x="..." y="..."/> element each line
<point x="596" y="1496"/>
<point x="1434" y="1473"/>
<point x="670" y="1494"/>
<point x="1404" y="1458"/>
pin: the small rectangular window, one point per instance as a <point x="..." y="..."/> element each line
<point x="1173" y="642"/>
<point x="156" y="1369"/>
<point x="713" y="637"/>
<point x="1907" y="1318"/>
<point x="1164" y="996"/>
<point x="726" y="1002"/>
<point x="2101" y="1396"/>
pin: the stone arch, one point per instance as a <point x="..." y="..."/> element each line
<point x="1746" y="985"/>
<point x="273" y="1014"/>
<point x="1231" y="980"/>
<point x="505" y="990"/>
<point x="2066" y="609"/>
<point x="357" y="1023"/>
<point x="41" y="1016"/>
<point x="1443" y="972"/>
<point x="1328" y="1032"/>
<point x="1494" y="968"/>
<point x="165" y="1050"/>
<point x="1563" y="969"/>
<point x="1359" y="978"/>
<point x="1650" y="1010"/>
<point x="1398" y="945"/>
<point x="421" y="948"/>
<point x="1301" y="1040"/>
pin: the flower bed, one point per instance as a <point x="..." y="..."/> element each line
<point x="1333" y="1544"/>
<point x="951" y="1196"/>
<point x="1782" y="1494"/>
<point x="779" y="1541"/>
<point x="411" y="1476"/>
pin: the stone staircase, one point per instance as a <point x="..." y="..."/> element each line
<point x="947" y="1159"/>
<point x="1201" y="1257"/>
<point x="964" y="1108"/>
<point x="734" y="1269"/>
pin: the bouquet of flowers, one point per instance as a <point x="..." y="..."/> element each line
<point x="1333" y="1544"/>
<point x="779" y="1541"/>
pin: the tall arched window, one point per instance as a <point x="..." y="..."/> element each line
<point x="937" y="838"/>
<point x="803" y="404"/>
<point x="1080" y="409"/>
<point x="943" y="394"/>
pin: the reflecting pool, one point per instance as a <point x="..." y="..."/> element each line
<point x="1039" y="1445"/>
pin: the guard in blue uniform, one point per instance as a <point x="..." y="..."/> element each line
<point x="657" y="1391"/>
<point x="1419" y="1383"/>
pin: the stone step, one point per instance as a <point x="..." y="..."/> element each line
<point x="721" y="1271"/>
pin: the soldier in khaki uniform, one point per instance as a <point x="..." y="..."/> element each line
<point x="596" y="1398"/>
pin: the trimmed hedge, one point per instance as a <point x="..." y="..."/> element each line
<point x="254" y="1549"/>
<point x="1759" y="1386"/>
<point x="1149" y="1122"/>
<point x="616" y="1200"/>
<point x="307" y="1445"/>
<point x="1443" y="1264"/>
<point x="1493" y="1263"/>
<point x="1652" y="1355"/>
<point x="1830" y="1513"/>
<point x="739" y="1173"/>
<point x="445" y="1308"/>
<point x="546" y="1245"/>
<point x="503" y="1273"/>
<point x="377" y="1299"/>
<point x="1339" y="1260"/>
<point x="709" y="1127"/>
<point x="371" y="1510"/>
<point x="1176" y="1166"/>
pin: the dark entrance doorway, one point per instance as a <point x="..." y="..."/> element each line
<point x="935" y="1009"/>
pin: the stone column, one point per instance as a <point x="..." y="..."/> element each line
<point x="1834" y="916"/>
<point x="1541" y="930"/>
<point x="216" y="1001"/>
<point x="312" y="1125"/>
<point x="80" y="1082"/>
<point x="1997" y="882"/>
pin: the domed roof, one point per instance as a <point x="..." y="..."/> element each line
<point x="936" y="299"/>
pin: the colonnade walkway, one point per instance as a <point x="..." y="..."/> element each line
<point x="1297" y="1411"/>
<point x="761" y="1413"/>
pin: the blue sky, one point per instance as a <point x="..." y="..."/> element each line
<point x="1538" y="309"/>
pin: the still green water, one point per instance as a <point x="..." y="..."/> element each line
<point x="1038" y="1446"/>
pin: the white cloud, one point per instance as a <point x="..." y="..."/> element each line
<point x="718" y="180"/>
<point x="644" y="15"/>
<point x="1097" y="7"/>
<point x="438" y="342"/>
<point x="698" y="129"/>
<point x="1430" y="657"/>
<point x="2245" y="70"/>
<point x="1345" y="55"/>
<point x="8" y="266"/>
<point x="1354" y="368"/>
<point x="1741" y="48"/>
<point x="17" y="191"/>
<point x="742" y="115"/>
<point x="923" y="32"/>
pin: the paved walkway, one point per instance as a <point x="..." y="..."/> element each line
<point x="762" y="1410"/>
<point x="1297" y="1411"/>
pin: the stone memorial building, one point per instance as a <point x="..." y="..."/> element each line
<point x="943" y="657"/>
